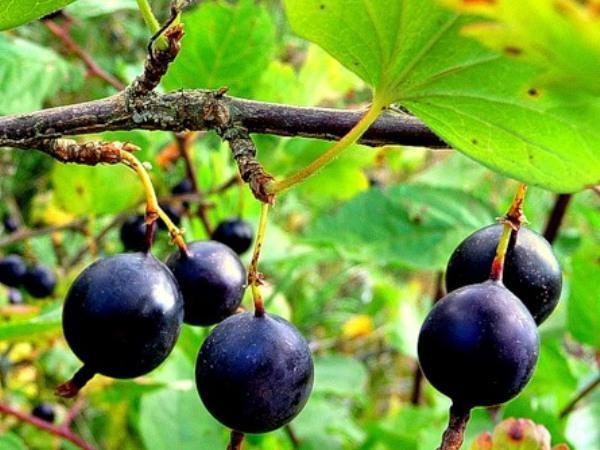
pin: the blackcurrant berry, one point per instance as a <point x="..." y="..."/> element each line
<point x="12" y="270"/>
<point x="235" y="233"/>
<point x="479" y="345"/>
<point x="10" y="223"/>
<point x="133" y="234"/>
<point x="44" y="411"/>
<point x="122" y="315"/>
<point x="531" y="271"/>
<point x="185" y="186"/>
<point x="39" y="281"/>
<point x="15" y="297"/>
<point x="212" y="280"/>
<point x="254" y="374"/>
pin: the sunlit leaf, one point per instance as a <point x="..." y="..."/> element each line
<point x="15" y="13"/>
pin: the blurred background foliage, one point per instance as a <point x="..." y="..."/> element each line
<point x="353" y="256"/>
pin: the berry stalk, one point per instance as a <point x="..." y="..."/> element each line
<point x="274" y="187"/>
<point x="153" y="210"/>
<point x="512" y="222"/>
<point x="236" y="440"/>
<point x="254" y="277"/>
<point x="455" y="432"/>
<point x="151" y="23"/>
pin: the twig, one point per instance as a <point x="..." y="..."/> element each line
<point x="291" y="434"/>
<point x="185" y="147"/>
<point x="93" y="68"/>
<point x="561" y="203"/>
<point x="584" y="392"/>
<point x="73" y="412"/>
<point x="182" y="111"/>
<point x="57" y="430"/>
<point x="26" y="233"/>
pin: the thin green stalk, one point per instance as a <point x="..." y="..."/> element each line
<point x="332" y="153"/>
<point x="152" y="23"/>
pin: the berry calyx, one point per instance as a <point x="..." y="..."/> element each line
<point x="479" y="345"/>
<point x="44" y="411"/>
<point x="122" y="316"/>
<point x="254" y="374"/>
<point x="12" y="270"/>
<point x="237" y="234"/>
<point x="212" y="280"/>
<point x="39" y="281"/>
<point x="531" y="270"/>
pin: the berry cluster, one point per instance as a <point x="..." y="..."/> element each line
<point x="38" y="280"/>
<point x="479" y="344"/>
<point x="254" y="371"/>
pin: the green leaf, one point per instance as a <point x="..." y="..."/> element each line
<point x="412" y="225"/>
<point x="15" y="13"/>
<point x="29" y="74"/>
<point x="493" y="109"/>
<point x="174" y="418"/>
<point x="30" y="329"/>
<point x="10" y="441"/>
<point x="339" y="375"/>
<point x="96" y="190"/>
<point x="583" y="308"/>
<point x="224" y="45"/>
<point x="93" y="8"/>
<point x="562" y="38"/>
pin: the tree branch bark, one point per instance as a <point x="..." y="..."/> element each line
<point x="184" y="110"/>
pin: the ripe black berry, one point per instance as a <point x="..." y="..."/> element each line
<point x="254" y="374"/>
<point x="39" y="281"/>
<point x="212" y="280"/>
<point x="15" y="297"/>
<point x="123" y="314"/>
<point x="531" y="271"/>
<point x="10" y="223"/>
<point x="479" y="345"/>
<point x="44" y="411"/>
<point x="12" y="270"/>
<point x="133" y="234"/>
<point x="185" y="186"/>
<point x="235" y="233"/>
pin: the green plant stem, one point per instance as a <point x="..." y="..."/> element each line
<point x="254" y="277"/>
<point x="152" y="23"/>
<point x="333" y="152"/>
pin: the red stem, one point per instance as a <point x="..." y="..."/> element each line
<point x="62" y="431"/>
<point x="91" y="65"/>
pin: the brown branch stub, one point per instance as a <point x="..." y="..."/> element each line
<point x="88" y="153"/>
<point x="157" y="63"/>
<point x="217" y="113"/>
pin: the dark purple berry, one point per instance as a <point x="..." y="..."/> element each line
<point x="133" y="234"/>
<point x="123" y="314"/>
<point x="10" y="223"/>
<point x="185" y="186"/>
<point x="12" y="270"/>
<point x="212" y="280"/>
<point x="254" y="374"/>
<point x="39" y="281"/>
<point x="237" y="234"/>
<point x="479" y="345"/>
<point x="44" y="411"/>
<point x="531" y="271"/>
<point x="15" y="297"/>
